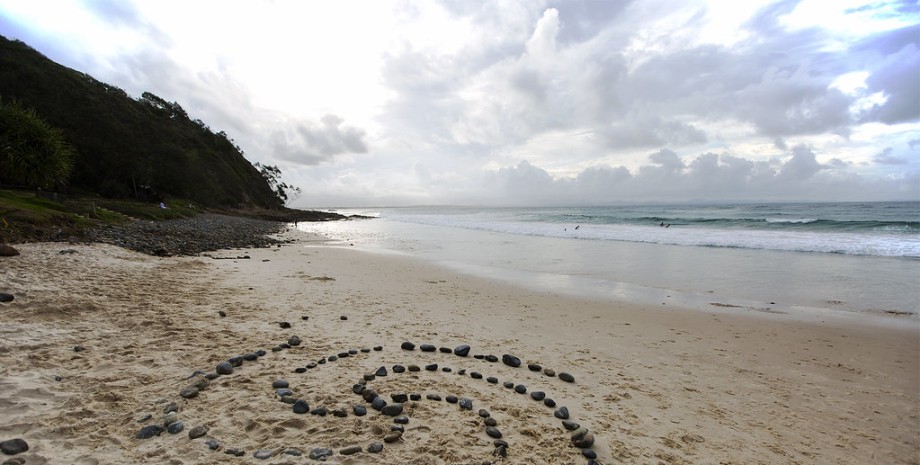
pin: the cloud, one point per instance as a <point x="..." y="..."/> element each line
<point x="885" y="158"/>
<point x="312" y="143"/>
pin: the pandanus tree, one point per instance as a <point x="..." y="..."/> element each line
<point x="32" y="152"/>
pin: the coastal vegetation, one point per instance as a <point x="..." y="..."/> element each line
<point x="75" y="152"/>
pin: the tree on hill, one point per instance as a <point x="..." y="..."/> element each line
<point x="285" y="192"/>
<point x="32" y="152"/>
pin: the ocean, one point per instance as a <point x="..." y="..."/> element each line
<point x="824" y="258"/>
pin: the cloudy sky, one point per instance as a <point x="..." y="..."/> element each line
<point x="373" y="103"/>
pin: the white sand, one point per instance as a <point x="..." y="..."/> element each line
<point x="653" y="384"/>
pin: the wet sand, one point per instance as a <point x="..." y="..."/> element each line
<point x="99" y="339"/>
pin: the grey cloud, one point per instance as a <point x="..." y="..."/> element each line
<point x="886" y="158"/>
<point x="898" y="79"/>
<point x="310" y="143"/>
<point x="651" y="132"/>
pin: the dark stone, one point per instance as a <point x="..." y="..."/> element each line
<point x="172" y="407"/>
<point x="235" y="452"/>
<point x="475" y="375"/>
<point x="520" y="389"/>
<point x="352" y="351"/>
<point x="236" y="361"/>
<point x="378" y="403"/>
<point x="582" y="438"/>
<point x="294" y="341"/>
<point x="359" y="410"/>
<point x="4" y="297"/>
<point x="344" y="354"/>
<point x="8" y="251"/>
<point x="300" y="370"/>
<point x="382" y="371"/>
<point x="511" y="360"/>
<point x="402" y="420"/>
<point x="484" y="413"/>
<point x="321" y="411"/>
<point x="211" y="376"/>
<point x="79" y="348"/>
<point x="357" y="388"/>
<point x="549" y="402"/>
<point x="413" y="368"/>
<point x="283" y="392"/>
<point x="445" y="350"/>
<point x="562" y="413"/>
<point x="451" y="399"/>
<point x="508" y="385"/>
<point x="415" y="396"/>
<point x="567" y="377"/>
<point x="378" y="348"/>
<point x="534" y="367"/>
<point x="321" y="453"/>
<point x="311" y="365"/>
<point x="493" y="432"/>
<point x="284" y="325"/>
<point x="19" y="445"/>
<point x="369" y="395"/>
<point x="407" y="346"/>
<point x="432" y="367"/>
<point x="284" y="345"/>
<point x="427" y="348"/>
<point x="548" y="372"/>
<point x="399" y="428"/>
<point x="589" y="454"/>
<point x="293" y="452"/>
<point x="466" y="404"/>
<point x="189" y="393"/>
<point x="490" y="421"/>
<point x="492" y="380"/>
<point x="147" y="432"/>
<point x="392" y="437"/>
<point x="537" y="395"/>
<point x="277" y="349"/>
<point x="175" y="427"/>
<point x="221" y="313"/>
<point x="301" y="406"/>
<point x="570" y="425"/>
<point x="491" y="358"/>
<point x="399" y="369"/>
<point x="198" y="432"/>
<point x="305" y="317"/>
<point x="260" y="353"/>
<point x="365" y="350"/>
<point x="351" y="450"/>
<point x="433" y="397"/>
<point x="262" y="454"/>
<point x="212" y="444"/>
<point x="399" y="397"/>
<point x="375" y="448"/>
<point x="369" y="376"/>
<point x="343" y="317"/>
<point x="321" y="361"/>
<point x="392" y="409"/>
<point x="332" y="358"/>
<point x="446" y="369"/>
<point x="462" y="350"/>
<point x="250" y="356"/>
<point x="479" y="356"/>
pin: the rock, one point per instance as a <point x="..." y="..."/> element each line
<point x="378" y="404"/>
<point x="466" y="404"/>
<point x="294" y="341"/>
<point x="333" y="358"/>
<point x="172" y="407"/>
<point x="14" y="446"/>
<point x="508" y="385"/>
<point x="562" y="413"/>
<point x="189" y="393"/>
<point x="399" y="398"/>
<point x="484" y="413"/>
<point x="149" y="431"/>
<point x="321" y="453"/>
<point x="548" y="372"/>
<point x="343" y="317"/>
<point x="357" y="388"/>
<point x="284" y="324"/>
<point x="320" y="411"/>
<point x="582" y="438"/>
<point x="369" y="376"/>
<point x="451" y="399"/>
<point x="382" y="371"/>
<point x="293" y="452"/>
<point x="567" y="377"/>
<point x="534" y="367"/>
<point x="378" y="348"/>
<point x="221" y="313"/>
<point x="589" y="454"/>
<point x="369" y="395"/>
<point x="284" y="392"/>
<point x="250" y="356"/>
<point x="350" y="450"/>
<point x="4" y="297"/>
<point x="359" y="410"/>
<point x="493" y="432"/>
<point x="399" y="428"/>
<point x="224" y="368"/>
<point x="433" y="397"/>
<point x="399" y="369"/>
<point x="79" y="348"/>
<point x="175" y="427"/>
<point x="392" y="410"/>
<point x="490" y="421"/>
<point x="491" y="358"/>
<point x="476" y="375"/>
<point x="201" y="384"/>
<point x="280" y="383"/>
<point x="549" y="402"/>
<point x="301" y="406"/>
<point x="462" y="350"/>
<point x="235" y="452"/>
<point x="198" y="432"/>
<point x="212" y="444"/>
<point x="427" y="348"/>
<point x="520" y="389"/>
<point x="340" y="413"/>
<point x="538" y="395"/>
<point x="415" y="396"/>
<point x="375" y="448"/>
<point x="511" y="360"/>
<point x="344" y="354"/>
<point x="432" y="367"/>
<point x="402" y="420"/>
<point x="262" y="454"/>
<point x="170" y="417"/>
<point x="570" y="425"/>
<point x="413" y="368"/>
<point x="446" y="369"/>
<point x="8" y="251"/>
<point x="407" y="346"/>
<point x="445" y="350"/>
<point x="392" y="437"/>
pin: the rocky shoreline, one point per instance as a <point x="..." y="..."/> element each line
<point x="189" y="236"/>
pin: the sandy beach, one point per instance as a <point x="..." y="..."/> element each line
<point x="100" y="340"/>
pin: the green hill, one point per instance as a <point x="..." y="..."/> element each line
<point x="125" y="148"/>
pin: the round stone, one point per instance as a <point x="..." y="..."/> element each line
<point x="321" y="411"/>
<point x="511" y="360"/>
<point x="433" y="397"/>
<point x="462" y="350"/>
<point x="391" y="409"/>
<point x="407" y="346"/>
<point x="236" y="361"/>
<point x="283" y="392"/>
<point x="321" y="453"/>
<point x="300" y="370"/>
<point x="351" y="450"/>
<point x="493" y="432"/>
<point x="189" y="392"/>
<point x="294" y="341"/>
<point x="250" y="356"/>
<point x="378" y="348"/>
<point x="491" y="358"/>
<point x="382" y="371"/>
<point x="400" y="398"/>
<point x="538" y="395"/>
<point x="392" y="437"/>
<point x="378" y="404"/>
<point x="415" y="396"/>
<point x="413" y="368"/>
<point x="262" y="454"/>
<point x="534" y="367"/>
<point x="562" y="413"/>
<point x="492" y="379"/>
<point x="19" y="445"/>
<point x="446" y="369"/>
<point x="146" y="432"/>
<point x="520" y="389"/>
<point x="490" y="421"/>
<point x="301" y="406"/>
<point x="375" y="448"/>
<point x="445" y="350"/>
<point x="475" y="375"/>
<point x="466" y="404"/>
<point x="566" y="377"/>
<point x="451" y="399"/>
<point x="197" y="432"/>
<point x="333" y="358"/>
<point x="427" y="348"/>
<point x="284" y="324"/>
<point x="170" y="417"/>
<point x="508" y="385"/>
<point x="402" y="420"/>
<point x="359" y="410"/>
<point x="212" y="444"/>
<point x="582" y="438"/>
<point x="175" y="427"/>
<point x="224" y="368"/>
<point x="589" y="454"/>
<point x="548" y="372"/>
<point x="570" y="425"/>
<point x="399" y="369"/>
<point x="549" y="402"/>
<point x="432" y="367"/>
<point x="484" y="413"/>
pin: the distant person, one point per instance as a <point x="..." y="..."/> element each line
<point x="662" y="224"/>
<point x="576" y="227"/>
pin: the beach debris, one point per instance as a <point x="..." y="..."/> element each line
<point x="14" y="446"/>
<point x="511" y="360"/>
<point x="4" y="297"/>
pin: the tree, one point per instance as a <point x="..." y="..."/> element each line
<point x="286" y="193"/>
<point x="32" y="152"/>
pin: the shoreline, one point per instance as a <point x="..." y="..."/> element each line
<point x="652" y="383"/>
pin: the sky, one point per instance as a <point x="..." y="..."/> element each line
<point x="531" y="102"/>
